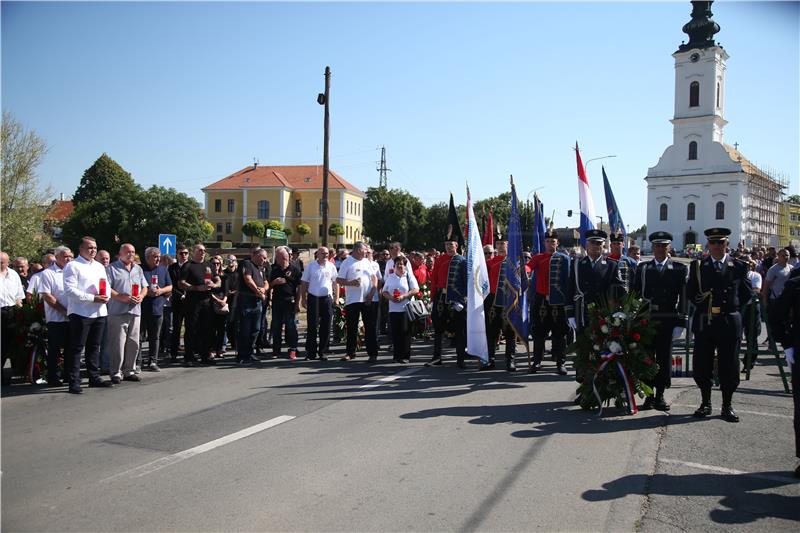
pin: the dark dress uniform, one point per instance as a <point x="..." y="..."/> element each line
<point x="664" y="288"/>
<point x="787" y="332"/>
<point x="550" y="274"/>
<point x="590" y="282"/>
<point x="495" y="320"/>
<point x="450" y="306"/>
<point x="717" y="289"/>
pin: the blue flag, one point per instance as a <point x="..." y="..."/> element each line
<point x="539" y="228"/>
<point x="614" y="218"/>
<point x="516" y="281"/>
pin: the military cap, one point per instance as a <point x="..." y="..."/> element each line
<point x="660" y="237"/>
<point x="717" y="233"/>
<point x="550" y="234"/>
<point x="595" y="235"/>
<point x="617" y="237"/>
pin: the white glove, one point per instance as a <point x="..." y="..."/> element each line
<point x="789" y="356"/>
<point x="572" y="323"/>
<point x="677" y="332"/>
<point x="458" y="307"/>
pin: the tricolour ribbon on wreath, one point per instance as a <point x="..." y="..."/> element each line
<point x="613" y="358"/>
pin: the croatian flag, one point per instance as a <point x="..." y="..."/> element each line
<point x="477" y="289"/>
<point x="585" y="195"/>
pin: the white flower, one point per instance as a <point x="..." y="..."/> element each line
<point x="616" y="321"/>
<point x="614" y="347"/>
<point x="632" y="345"/>
<point x="604" y="328"/>
<point x="596" y="347"/>
<point x="620" y="315"/>
<point x="36" y="326"/>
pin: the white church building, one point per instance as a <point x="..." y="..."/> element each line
<point x="700" y="182"/>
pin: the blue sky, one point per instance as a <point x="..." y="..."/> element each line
<point x="183" y="94"/>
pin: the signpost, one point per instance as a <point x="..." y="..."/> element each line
<point x="275" y="234"/>
<point x="167" y="243"/>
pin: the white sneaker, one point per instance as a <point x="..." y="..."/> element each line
<point x="137" y="369"/>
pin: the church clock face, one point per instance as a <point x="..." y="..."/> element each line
<point x="694" y="58"/>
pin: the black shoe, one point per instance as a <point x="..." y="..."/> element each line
<point x="54" y="382"/>
<point x="510" y="365"/>
<point x="189" y="363"/>
<point x="403" y="361"/>
<point x="487" y="366"/>
<point x="132" y="377"/>
<point x="100" y="383"/>
<point x="436" y="361"/>
<point x="209" y="361"/>
<point x="373" y="359"/>
<point x="703" y="411"/>
<point x="728" y="414"/>
<point x="322" y="358"/>
<point x="561" y="371"/>
<point x="75" y="390"/>
<point x="461" y="364"/>
<point x="310" y="357"/>
<point x="797" y="471"/>
<point x="660" y="404"/>
<point x="115" y="380"/>
<point x="648" y="404"/>
<point x="534" y="368"/>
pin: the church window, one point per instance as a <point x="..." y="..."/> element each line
<point x="720" y="210"/>
<point x="694" y="94"/>
<point x="662" y="212"/>
<point x="263" y="209"/>
<point x="718" y="94"/>
<point x="693" y="150"/>
<point x="690" y="211"/>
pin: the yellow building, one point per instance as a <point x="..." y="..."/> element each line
<point x="289" y="194"/>
<point x="789" y="224"/>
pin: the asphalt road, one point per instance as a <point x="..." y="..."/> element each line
<point x="310" y="446"/>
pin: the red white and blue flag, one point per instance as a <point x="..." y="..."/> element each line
<point x="585" y="196"/>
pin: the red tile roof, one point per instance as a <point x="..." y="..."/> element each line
<point x="291" y="177"/>
<point x="60" y="210"/>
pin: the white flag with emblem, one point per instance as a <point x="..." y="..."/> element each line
<point x="477" y="288"/>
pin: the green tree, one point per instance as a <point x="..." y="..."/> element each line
<point x="274" y="225"/>
<point x="795" y="199"/>
<point x="335" y="229"/>
<point x="208" y="229"/>
<point x="394" y="215"/>
<point x="113" y="217"/>
<point x="170" y="211"/>
<point x="303" y="230"/>
<point x="23" y="204"/>
<point x="288" y="231"/>
<point x="104" y="176"/>
<point x="254" y="228"/>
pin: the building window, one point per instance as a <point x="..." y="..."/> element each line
<point x="690" y="211"/>
<point x="219" y="227"/>
<point x="321" y="206"/>
<point x="219" y="237"/>
<point x="718" y="94"/>
<point x="263" y="209"/>
<point x="231" y="206"/>
<point x="662" y="212"/>
<point x="320" y="230"/>
<point x="298" y="207"/>
<point x="228" y="228"/>
<point x="217" y="205"/>
<point x="694" y="94"/>
<point x="720" y="210"/>
<point x="693" y="150"/>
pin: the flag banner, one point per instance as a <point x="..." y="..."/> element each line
<point x="585" y="197"/>
<point x="614" y="218"/>
<point x="453" y="226"/>
<point x="477" y="289"/>
<point x="488" y="232"/>
<point x="539" y="228"/>
<point x="515" y="282"/>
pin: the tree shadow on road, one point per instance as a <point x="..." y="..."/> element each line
<point x="739" y="493"/>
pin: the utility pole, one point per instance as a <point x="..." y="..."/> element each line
<point x="324" y="99"/>
<point x="382" y="169"/>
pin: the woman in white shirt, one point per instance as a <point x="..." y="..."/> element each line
<point x="399" y="288"/>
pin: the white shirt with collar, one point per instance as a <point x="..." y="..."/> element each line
<point x="52" y="282"/>
<point x="81" y="282"/>
<point x="320" y="278"/>
<point x="359" y="269"/>
<point x="10" y="288"/>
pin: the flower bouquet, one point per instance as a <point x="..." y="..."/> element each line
<point x="614" y="355"/>
<point x="28" y="351"/>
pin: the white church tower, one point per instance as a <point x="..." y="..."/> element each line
<point x="700" y="182"/>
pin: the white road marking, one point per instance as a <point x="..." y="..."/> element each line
<point x="163" y="462"/>
<point x="759" y="413"/>
<point x="387" y="379"/>
<point x="723" y="470"/>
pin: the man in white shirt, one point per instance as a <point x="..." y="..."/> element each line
<point x="11" y="296"/>
<point x="318" y="288"/>
<point x="35" y="281"/>
<point x="360" y="283"/>
<point x="51" y="289"/>
<point x="86" y="285"/>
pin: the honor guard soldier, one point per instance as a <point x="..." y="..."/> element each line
<point x="449" y="294"/>
<point x="593" y="279"/>
<point x="717" y="286"/>
<point x="550" y="274"/>
<point x="494" y="313"/>
<point x="662" y="284"/>
<point x="626" y="265"/>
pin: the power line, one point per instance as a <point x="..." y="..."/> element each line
<point x="382" y="169"/>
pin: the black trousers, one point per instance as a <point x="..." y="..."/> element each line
<point x="178" y="320"/>
<point x="218" y="325"/>
<point x="319" y="314"/>
<point x="796" y="399"/>
<point x="369" y="315"/>
<point x="446" y="319"/>
<point x="662" y="345"/>
<point x="199" y="328"/>
<point x="85" y="336"/>
<point x="283" y="315"/>
<point x="7" y="331"/>
<point x="401" y="335"/>
<point x="722" y="337"/>
<point x="548" y="319"/>
<point x="151" y="326"/>
<point x="493" y="318"/>
<point x="57" y="345"/>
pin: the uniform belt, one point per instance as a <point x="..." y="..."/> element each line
<point x="716" y="310"/>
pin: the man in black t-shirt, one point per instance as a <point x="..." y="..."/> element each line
<point x="251" y="298"/>
<point x="177" y="300"/>
<point x="284" y="282"/>
<point x="198" y="281"/>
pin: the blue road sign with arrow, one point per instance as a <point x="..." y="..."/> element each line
<point x="167" y="244"/>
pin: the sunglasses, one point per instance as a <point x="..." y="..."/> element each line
<point x="716" y="241"/>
